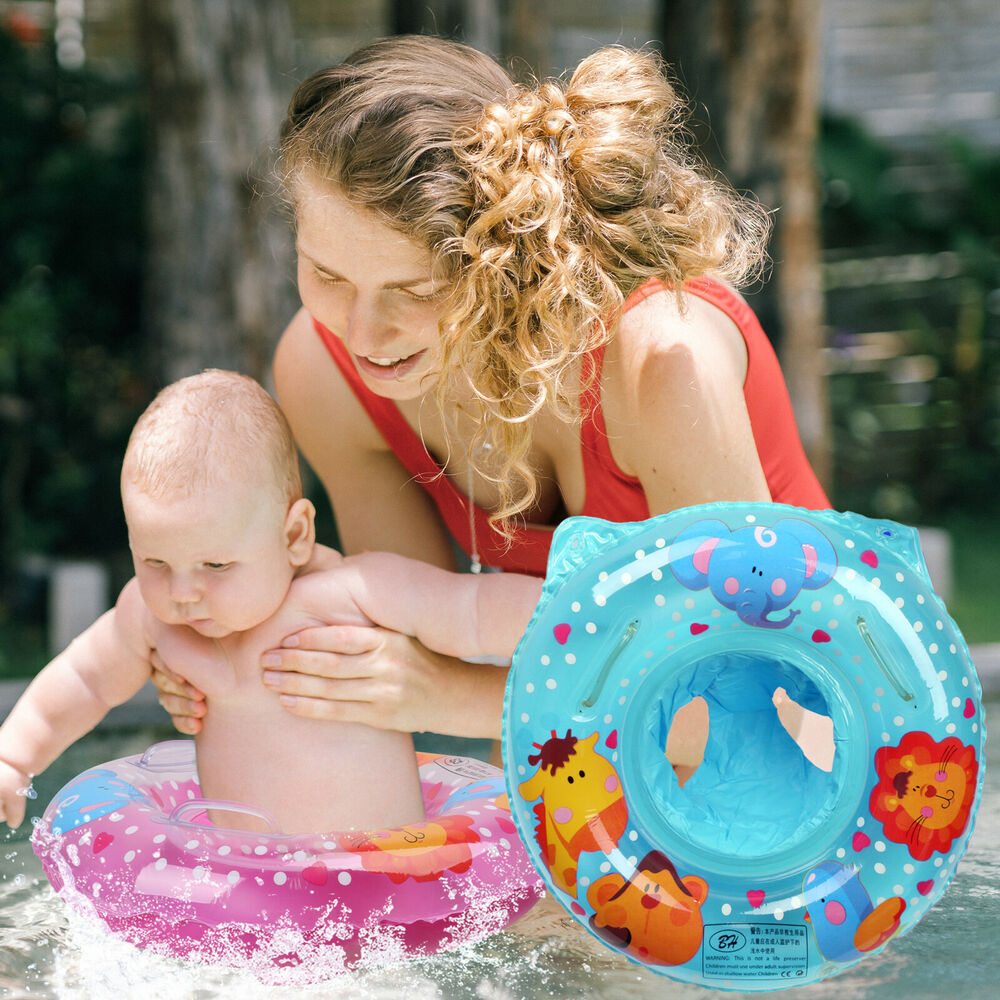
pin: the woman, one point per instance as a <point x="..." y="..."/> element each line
<point x="516" y="307"/>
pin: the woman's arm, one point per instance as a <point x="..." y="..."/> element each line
<point x="370" y="675"/>
<point x="674" y="406"/>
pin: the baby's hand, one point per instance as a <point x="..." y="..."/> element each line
<point x="14" y="785"/>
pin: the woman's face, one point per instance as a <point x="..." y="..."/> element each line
<point x="372" y="287"/>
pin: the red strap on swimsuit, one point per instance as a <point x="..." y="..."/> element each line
<point x="610" y="493"/>
<point x="528" y="553"/>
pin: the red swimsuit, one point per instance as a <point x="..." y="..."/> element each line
<point x="610" y="493"/>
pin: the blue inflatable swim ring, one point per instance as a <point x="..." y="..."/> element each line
<point x="766" y="868"/>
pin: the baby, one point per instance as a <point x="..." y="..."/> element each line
<point x="226" y="566"/>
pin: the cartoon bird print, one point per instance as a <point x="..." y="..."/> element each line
<point x="582" y="808"/>
<point x="840" y="910"/>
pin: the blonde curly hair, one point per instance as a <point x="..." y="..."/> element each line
<point x="543" y="206"/>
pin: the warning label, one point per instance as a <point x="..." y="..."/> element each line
<point x="756" y="951"/>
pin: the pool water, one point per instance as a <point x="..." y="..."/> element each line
<point x="45" y="954"/>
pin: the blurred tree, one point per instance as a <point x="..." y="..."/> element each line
<point x="218" y="272"/>
<point x="753" y="66"/>
<point x="70" y="369"/>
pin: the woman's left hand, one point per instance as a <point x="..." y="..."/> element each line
<point x="381" y="678"/>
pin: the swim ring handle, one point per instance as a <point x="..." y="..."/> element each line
<point x="224" y="805"/>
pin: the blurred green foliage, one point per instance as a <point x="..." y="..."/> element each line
<point x="71" y="372"/>
<point x="912" y="240"/>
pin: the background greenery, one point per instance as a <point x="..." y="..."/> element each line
<point x="913" y="307"/>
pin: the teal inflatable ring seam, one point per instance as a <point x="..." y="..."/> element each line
<point x="775" y="863"/>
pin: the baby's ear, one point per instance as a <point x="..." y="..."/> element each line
<point x="300" y="531"/>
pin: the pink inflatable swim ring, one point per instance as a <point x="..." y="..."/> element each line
<point x="129" y="844"/>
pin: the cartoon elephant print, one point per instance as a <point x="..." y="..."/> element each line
<point x="755" y="570"/>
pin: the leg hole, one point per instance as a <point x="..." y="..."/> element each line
<point x="687" y="738"/>
<point x="811" y="731"/>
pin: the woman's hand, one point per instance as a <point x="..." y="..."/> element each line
<point x="371" y="675"/>
<point x="184" y="702"/>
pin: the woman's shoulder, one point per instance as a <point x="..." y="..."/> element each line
<point x="663" y="336"/>
<point x="313" y="393"/>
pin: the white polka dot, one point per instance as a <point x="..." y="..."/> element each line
<point x="160" y="864"/>
<point x="570" y="659"/>
<point x="676" y="616"/>
<point x="851" y="574"/>
<point x="632" y="835"/>
<point x="942" y="675"/>
<point x="600" y="600"/>
<point x="816" y="605"/>
<point x="344" y="878"/>
<point x="897" y="890"/>
<point x="575" y="606"/>
<point x="886" y="738"/>
<point x="932" y="648"/>
<point x="159" y="838"/>
<point x="260" y="849"/>
<point x="840" y="852"/>
<point x="129" y="857"/>
<point x="955" y="702"/>
<point x="198" y="872"/>
<point x="224" y="849"/>
<point x="659" y="600"/>
<point x="622" y="700"/>
<point x="899" y="602"/>
<point x="833" y="624"/>
<point x="909" y="869"/>
<point x="880" y="845"/>
<point x="131" y="829"/>
<point x="626" y="578"/>
<point x="530" y="688"/>
<point x="689" y="604"/>
<point x="918" y="626"/>
<point x="779" y="914"/>
<point x="545" y="660"/>
<point x="116" y="817"/>
<point x="95" y="889"/>
<point x="950" y="728"/>
<point x="608" y="719"/>
<point x="939" y="624"/>
<point x="233" y="877"/>
<point x="876" y="707"/>
<point x="838" y="600"/>
<point x="190" y="845"/>
<point x="879" y="867"/>
<point x="551" y="684"/>
<point x="525" y="717"/>
<point x="505" y="843"/>
<point x="898" y="721"/>
<point x="590" y="627"/>
<point x="726" y="909"/>
<point x="861" y="821"/>
<point x="938" y="862"/>
<point x="899" y="577"/>
<point x="657" y="575"/>
<point x="876" y="582"/>
<point x="605" y="866"/>
<point x="660" y="542"/>
<point x="486" y="831"/>
<point x="640" y="554"/>
<point x="848" y="543"/>
<point x="920" y="598"/>
<point x="602" y="576"/>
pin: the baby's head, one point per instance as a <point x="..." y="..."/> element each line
<point x="213" y="499"/>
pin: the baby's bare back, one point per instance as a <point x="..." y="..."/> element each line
<point x="311" y="775"/>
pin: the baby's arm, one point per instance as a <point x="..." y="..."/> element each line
<point x="102" y="667"/>
<point x="458" y="614"/>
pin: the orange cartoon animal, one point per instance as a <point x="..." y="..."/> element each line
<point x="582" y="808"/>
<point x="925" y="792"/>
<point x="420" y="851"/>
<point x="654" y="916"/>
